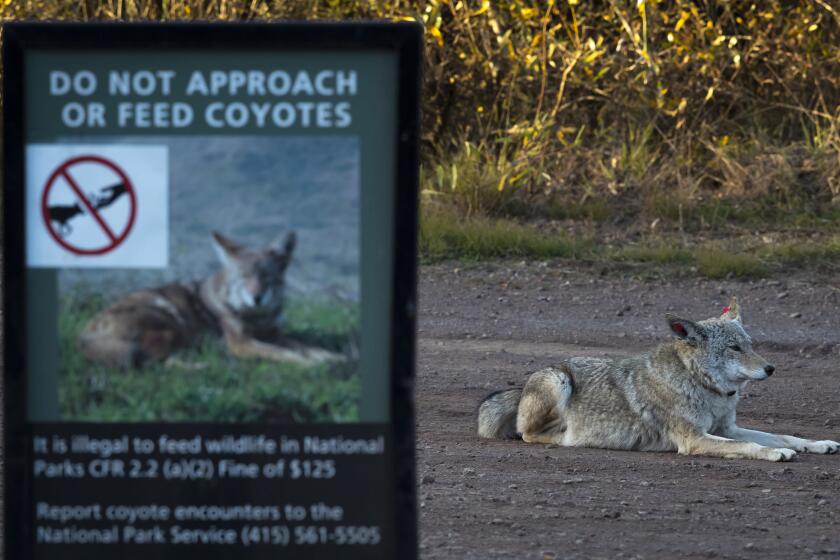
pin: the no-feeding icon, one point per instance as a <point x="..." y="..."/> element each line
<point x="112" y="207"/>
<point x="93" y="206"/>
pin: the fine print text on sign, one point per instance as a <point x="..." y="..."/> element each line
<point x="97" y="206"/>
<point x="313" y="485"/>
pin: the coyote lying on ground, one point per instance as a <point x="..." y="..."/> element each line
<point x="681" y="396"/>
<point x="243" y="302"/>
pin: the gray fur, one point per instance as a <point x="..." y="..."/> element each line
<point x="681" y="397"/>
<point x="497" y="414"/>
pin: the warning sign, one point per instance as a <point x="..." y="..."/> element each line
<point x="58" y="217"/>
<point x="97" y="206"/>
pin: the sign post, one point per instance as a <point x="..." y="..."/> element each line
<point x="209" y="290"/>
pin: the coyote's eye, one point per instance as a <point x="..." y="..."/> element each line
<point x="735" y="347"/>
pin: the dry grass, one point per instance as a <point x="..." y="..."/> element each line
<point x="444" y="235"/>
<point x="723" y="263"/>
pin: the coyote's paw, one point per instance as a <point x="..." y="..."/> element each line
<point x="173" y="362"/>
<point x="780" y="454"/>
<point x="333" y="359"/>
<point x="825" y="446"/>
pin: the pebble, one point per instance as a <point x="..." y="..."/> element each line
<point x="623" y="310"/>
<point x="427" y="479"/>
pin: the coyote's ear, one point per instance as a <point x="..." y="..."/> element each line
<point x="687" y="330"/>
<point x="284" y="244"/>
<point x="732" y="311"/>
<point x="225" y="248"/>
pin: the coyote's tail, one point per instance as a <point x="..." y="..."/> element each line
<point x="497" y="414"/>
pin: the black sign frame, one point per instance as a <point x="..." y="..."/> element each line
<point x="403" y="38"/>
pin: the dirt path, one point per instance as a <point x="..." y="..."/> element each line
<point x="483" y="327"/>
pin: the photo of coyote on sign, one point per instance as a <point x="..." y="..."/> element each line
<point x="256" y="315"/>
<point x="242" y="301"/>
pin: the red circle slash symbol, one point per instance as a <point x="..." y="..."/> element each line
<point x="56" y="217"/>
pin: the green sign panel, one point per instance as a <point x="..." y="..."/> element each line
<point x="210" y="234"/>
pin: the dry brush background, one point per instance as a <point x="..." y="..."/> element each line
<point x="583" y="109"/>
<point x="702" y="136"/>
<point x="633" y="130"/>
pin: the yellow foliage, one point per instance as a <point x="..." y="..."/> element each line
<point x="485" y="6"/>
<point x="434" y="31"/>
<point x="528" y="13"/>
<point x="534" y="83"/>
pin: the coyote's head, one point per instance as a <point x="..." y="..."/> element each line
<point x="254" y="278"/>
<point x="722" y="348"/>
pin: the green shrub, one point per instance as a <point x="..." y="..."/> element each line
<point x="722" y="264"/>
<point x="447" y="236"/>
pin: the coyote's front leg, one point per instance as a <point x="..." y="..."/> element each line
<point x="716" y="446"/>
<point x="295" y="353"/>
<point x="313" y="353"/>
<point x="778" y="440"/>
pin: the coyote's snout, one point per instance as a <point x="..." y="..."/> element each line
<point x="243" y="302"/>
<point x="679" y="397"/>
